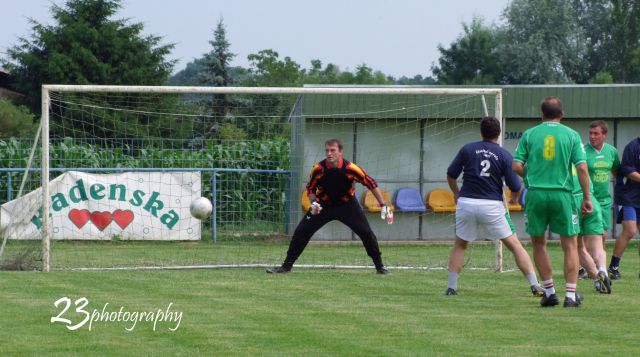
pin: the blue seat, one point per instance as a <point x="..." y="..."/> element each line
<point x="522" y="199"/>
<point x="408" y="199"/>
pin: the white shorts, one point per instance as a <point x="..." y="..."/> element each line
<point x="483" y="219"/>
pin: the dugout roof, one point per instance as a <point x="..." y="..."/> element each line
<point x="519" y="101"/>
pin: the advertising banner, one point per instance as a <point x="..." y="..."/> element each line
<point x="126" y="206"/>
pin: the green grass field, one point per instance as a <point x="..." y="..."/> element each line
<point x="66" y="255"/>
<point x="318" y="312"/>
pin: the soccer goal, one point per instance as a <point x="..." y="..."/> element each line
<point x="108" y="182"/>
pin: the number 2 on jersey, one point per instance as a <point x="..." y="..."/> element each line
<point x="486" y="165"/>
<point x="549" y="151"/>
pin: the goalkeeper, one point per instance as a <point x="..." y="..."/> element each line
<point x="331" y="194"/>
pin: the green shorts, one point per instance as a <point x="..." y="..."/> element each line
<point x="554" y="208"/>
<point x="606" y="216"/>
<point x="591" y="224"/>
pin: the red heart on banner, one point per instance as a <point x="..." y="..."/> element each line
<point x="101" y="219"/>
<point x="123" y="218"/>
<point x="79" y="217"/>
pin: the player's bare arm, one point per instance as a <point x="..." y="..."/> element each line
<point x="453" y="185"/>
<point x="378" y="196"/>
<point x="634" y="176"/>
<point x="583" y="177"/>
<point x="514" y="197"/>
<point x="518" y="168"/>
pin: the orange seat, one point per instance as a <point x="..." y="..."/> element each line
<point x="512" y="208"/>
<point x="440" y="200"/>
<point x="371" y="204"/>
<point x="305" y="201"/>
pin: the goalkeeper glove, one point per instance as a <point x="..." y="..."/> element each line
<point x="386" y="213"/>
<point x="315" y="208"/>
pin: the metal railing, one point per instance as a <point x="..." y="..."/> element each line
<point x="214" y="183"/>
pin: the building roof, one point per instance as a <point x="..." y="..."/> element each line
<point x="519" y="101"/>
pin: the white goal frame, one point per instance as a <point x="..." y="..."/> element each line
<point x="47" y="88"/>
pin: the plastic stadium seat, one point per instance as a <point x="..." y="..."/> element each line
<point x="305" y="201"/>
<point x="371" y="204"/>
<point x="440" y="200"/>
<point x="522" y="198"/>
<point x="512" y="208"/>
<point x="408" y="199"/>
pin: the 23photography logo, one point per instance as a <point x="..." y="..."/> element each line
<point x="130" y="319"/>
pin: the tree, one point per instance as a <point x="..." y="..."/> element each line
<point x="315" y="74"/>
<point x="625" y="40"/>
<point x="602" y="77"/>
<point x="215" y="73"/>
<point x="416" y="80"/>
<point x="472" y="57"/>
<point x="366" y="75"/>
<point x="330" y="73"/>
<point x="216" y="62"/>
<point x="269" y="71"/>
<point x="192" y="73"/>
<point x="86" y="46"/>
<point x="595" y="19"/>
<point x="542" y="43"/>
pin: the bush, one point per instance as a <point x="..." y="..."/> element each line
<point x="15" y="121"/>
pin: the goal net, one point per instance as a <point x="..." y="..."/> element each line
<point x="112" y="176"/>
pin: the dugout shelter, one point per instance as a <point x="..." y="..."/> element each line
<point x="409" y="141"/>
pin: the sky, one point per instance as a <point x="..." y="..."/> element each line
<point x="397" y="37"/>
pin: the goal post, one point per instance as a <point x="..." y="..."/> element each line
<point x="119" y="165"/>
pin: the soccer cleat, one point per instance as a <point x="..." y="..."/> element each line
<point x="278" y="270"/>
<point x="383" y="271"/>
<point x="605" y="283"/>
<point x="537" y="290"/>
<point x="582" y="273"/>
<point x="572" y="303"/>
<point x="614" y="274"/>
<point x="549" y="301"/>
<point x="597" y="285"/>
<point x="450" y="292"/>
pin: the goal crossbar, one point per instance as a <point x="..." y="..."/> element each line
<point x="267" y="90"/>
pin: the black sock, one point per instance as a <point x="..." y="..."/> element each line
<point x="615" y="262"/>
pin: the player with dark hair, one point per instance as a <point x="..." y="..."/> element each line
<point x="602" y="162"/>
<point x="627" y="196"/>
<point x="590" y="230"/>
<point x="331" y="194"/>
<point x="544" y="157"/>
<point x="480" y="212"/>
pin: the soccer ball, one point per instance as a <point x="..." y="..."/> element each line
<point x="201" y="208"/>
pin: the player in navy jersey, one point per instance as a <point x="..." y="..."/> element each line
<point x="627" y="196"/>
<point x="332" y="197"/>
<point x="480" y="212"/>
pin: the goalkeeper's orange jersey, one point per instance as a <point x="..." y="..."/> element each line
<point x="334" y="186"/>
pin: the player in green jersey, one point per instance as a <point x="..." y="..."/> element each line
<point x="602" y="160"/>
<point x="590" y="251"/>
<point x="544" y="157"/>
